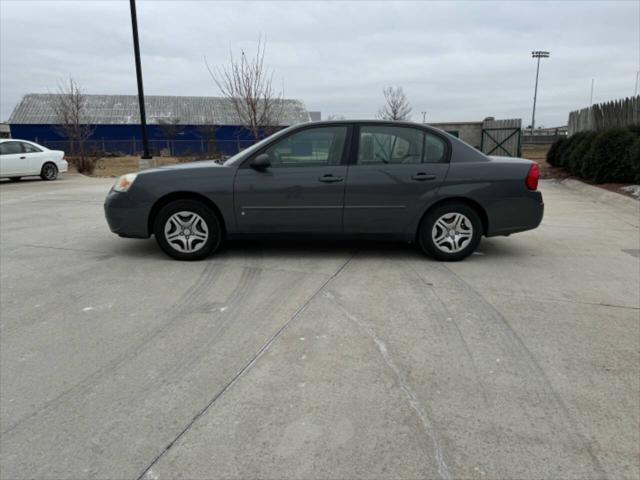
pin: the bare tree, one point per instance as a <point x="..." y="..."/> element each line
<point x="247" y="83"/>
<point x="207" y="132"/>
<point x="170" y="128"/>
<point x="396" y="105"/>
<point x="70" y="109"/>
<point x="336" y="117"/>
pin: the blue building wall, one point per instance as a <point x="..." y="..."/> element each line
<point x="127" y="139"/>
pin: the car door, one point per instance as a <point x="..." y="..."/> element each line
<point x="13" y="160"/>
<point x="35" y="157"/>
<point x="396" y="170"/>
<point x="302" y="191"/>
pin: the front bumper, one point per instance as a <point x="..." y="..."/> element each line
<point x="126" y="217"/>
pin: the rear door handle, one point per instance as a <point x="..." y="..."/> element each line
<point x="330" y="179"/>
<point x="421" y="177"/>
<point x="22" y="158"/>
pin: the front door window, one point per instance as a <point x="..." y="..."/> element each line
<point x="314" y="147"/>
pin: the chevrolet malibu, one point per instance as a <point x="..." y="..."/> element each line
<point x="362" y="179"/>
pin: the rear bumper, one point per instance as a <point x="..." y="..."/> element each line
<point x="513" y="215"/>
<point x="125" y="217"/>
<point x="63" y="166"/>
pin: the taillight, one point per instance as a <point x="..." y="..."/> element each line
<point x="532" y="177"/>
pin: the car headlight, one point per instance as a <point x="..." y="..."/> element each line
<point x="124" y="182"/>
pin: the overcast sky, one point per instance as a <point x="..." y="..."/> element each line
<point x="456" y="60"/>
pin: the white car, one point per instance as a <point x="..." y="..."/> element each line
<point x="21" y="158"/>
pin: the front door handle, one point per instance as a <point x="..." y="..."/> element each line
<point x="421" y="177"/>
<point x="22" y="158"/>
<point x="330" y="179"/>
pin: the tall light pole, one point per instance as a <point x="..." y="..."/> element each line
<point x="536" y="54"/>
<point x="424" y="117"/>
<point x="136" y="51"/>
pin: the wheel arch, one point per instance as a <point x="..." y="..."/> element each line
<point x="184" y="195"/>
<point x="482" y="213"/>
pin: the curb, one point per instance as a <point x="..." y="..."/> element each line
<point x="600" y="195"/>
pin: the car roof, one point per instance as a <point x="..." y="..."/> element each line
<point x="368" y="121"/>
<point x="2" y="140"/>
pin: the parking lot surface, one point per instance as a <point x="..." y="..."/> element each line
<point x="345" y="360"/>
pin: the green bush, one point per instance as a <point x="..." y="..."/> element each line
<point x="576" y="157"/>
<point x="555" y="152"/>
<point x="574" y="151"/>
<point x="635" y="129"/>
<point x="609" y="156"/>
<point x="634" y="159"/>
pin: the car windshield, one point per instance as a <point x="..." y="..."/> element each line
<point x="256" y="146"/>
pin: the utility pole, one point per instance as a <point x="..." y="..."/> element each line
<point x="637" y="81"/>
<point x="136" y="50"/>
<point x="424" y="116"/>
<point x="536" y="54"/>
<point x="591" y="98"/>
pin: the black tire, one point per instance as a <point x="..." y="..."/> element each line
<point x="449" y="212"/>
<point x="49" y="171"/>
<point x="14" y="179"/>
<point x="202" y="248"/>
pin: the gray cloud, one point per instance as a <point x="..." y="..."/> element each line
<point x="456" y="60"/>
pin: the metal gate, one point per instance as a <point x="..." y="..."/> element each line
<point x="501" y="138"/>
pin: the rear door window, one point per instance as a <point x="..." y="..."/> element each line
<point x="11" y="148"/>
<point x="382" y="144"/>
<point x="28" y="148"/>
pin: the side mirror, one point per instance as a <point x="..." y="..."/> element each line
<point x="261" y="162"/>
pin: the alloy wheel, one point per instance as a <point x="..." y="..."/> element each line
<point x="452" y="232"/>
<point x="186" y="232"/>
<point x="49" y="172"/>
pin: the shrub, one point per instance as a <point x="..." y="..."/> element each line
<point x="634" y="159"/>
<point x="567" y="154"/>
<point x="635" y="129"/>
<point x="555" y="152"/>
<point x="609" y="158"/>
<point x="575" y="158"/>
<point x="85" y="164"/>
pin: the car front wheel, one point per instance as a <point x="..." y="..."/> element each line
<point x="49" y="171"/>
<point x="187" y="230"/>
<point x="450" y="232"/>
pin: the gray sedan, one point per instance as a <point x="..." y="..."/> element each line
<point x="362" y="179"/>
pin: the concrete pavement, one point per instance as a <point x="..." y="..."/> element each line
<point x="343" y="360"/>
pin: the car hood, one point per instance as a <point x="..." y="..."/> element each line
<point x="200" y="164"/>
<point x="182" y="167"/>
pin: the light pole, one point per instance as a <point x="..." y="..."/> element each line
<point x="536" y="54"/>
<point x="136" y="51"/>
<point x="424" y="116"/>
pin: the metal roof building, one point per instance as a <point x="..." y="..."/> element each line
<point x="36" y="108"/>
<point x="115" y="120"/>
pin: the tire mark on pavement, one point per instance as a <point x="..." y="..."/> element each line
<point x="205" y="279"/>
<point x="519" y="349"/>
<point x="246" y="368"/>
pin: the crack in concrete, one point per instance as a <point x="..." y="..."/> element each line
<point x="245" y="368"/>
<point x="412" y="398"/>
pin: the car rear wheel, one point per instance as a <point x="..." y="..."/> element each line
<point x="187" y="230"/>
<point x="450" y="232"/>
<point x="49" y="171"/>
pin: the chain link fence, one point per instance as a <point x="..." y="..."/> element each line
<point x="158" y="148"/>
